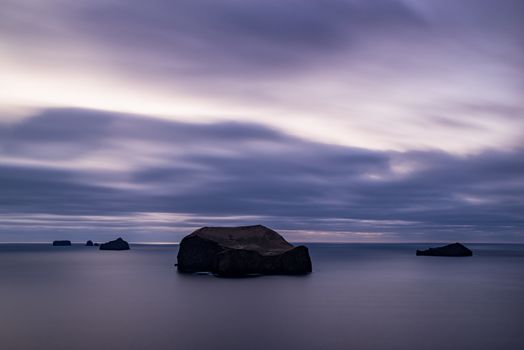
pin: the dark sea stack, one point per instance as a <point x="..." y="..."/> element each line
<point x="239" y="251"/>
<point x="62" y="243"/>
<point x="89" y="243"/>
<point x="455" y="249"/>
<point x="117" y="244"/>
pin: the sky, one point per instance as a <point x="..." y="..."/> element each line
<point x="327" y="120"/>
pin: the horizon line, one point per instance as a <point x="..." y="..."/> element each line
<point x="301" y="242"/>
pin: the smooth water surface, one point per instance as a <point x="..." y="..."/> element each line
<point x="360" y="296"/>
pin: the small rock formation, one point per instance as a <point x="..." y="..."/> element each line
<point x="61" y="243"/>
<point x="117" y="244"/>
<point x="97" y="244"/>
<point x="89" y="243"/>
<point x="455" y="249"/>
<point x="238" y="251"/>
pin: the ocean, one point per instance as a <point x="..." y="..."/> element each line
<point x="360" y="296"/>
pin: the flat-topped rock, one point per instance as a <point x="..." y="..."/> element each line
<point x="117" y="244"/>
<point x="237" y="251"/>
<point x="455" y="249"/>
<point x="89" y="243"/>
<point x="61" y="243"/>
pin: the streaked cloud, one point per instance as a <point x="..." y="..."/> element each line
<point x="334" y="120"/>
<point x="179" y="176"/>
<point x="383" y="74"/>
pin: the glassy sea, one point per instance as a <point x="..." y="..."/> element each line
<point x="360" y="296"/>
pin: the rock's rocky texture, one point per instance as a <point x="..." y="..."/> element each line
<point x="455" y="249"/>
<point x="237" y="251"/>
<point x="61" y="243"/>
<point x="89" y="243"/>
<point x="117" y="244"/>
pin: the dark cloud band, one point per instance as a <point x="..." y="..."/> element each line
<point x="248" y="172"/>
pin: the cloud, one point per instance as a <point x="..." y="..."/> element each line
<point x="342" y="119"/>
<point x="211" y="36"/>
<point x="383" y="74"/>
<point x="71" y="168"/>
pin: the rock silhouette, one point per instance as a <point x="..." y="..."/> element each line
<point x="89" y="243"/>
<point x="455" y="249"/>
<point x="61" y="243"/>
<point x="238" y="251"/>
<point x="117" y="244"/>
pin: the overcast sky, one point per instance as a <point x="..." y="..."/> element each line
<point x="327" y="120"/>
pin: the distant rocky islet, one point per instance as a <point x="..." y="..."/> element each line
<point x="452" y="250"/>
<point x="61" y="243"/>
<point x="117" y="244"/>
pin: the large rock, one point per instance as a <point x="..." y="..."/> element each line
<point x="455" y="249"/>
<point x="89" y="243"/>
<point x="117" y="244"/>
<point x="61" y="243"/>
<point x="237" y="251"/>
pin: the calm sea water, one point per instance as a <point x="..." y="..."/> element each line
<point x="360" y="296"/>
